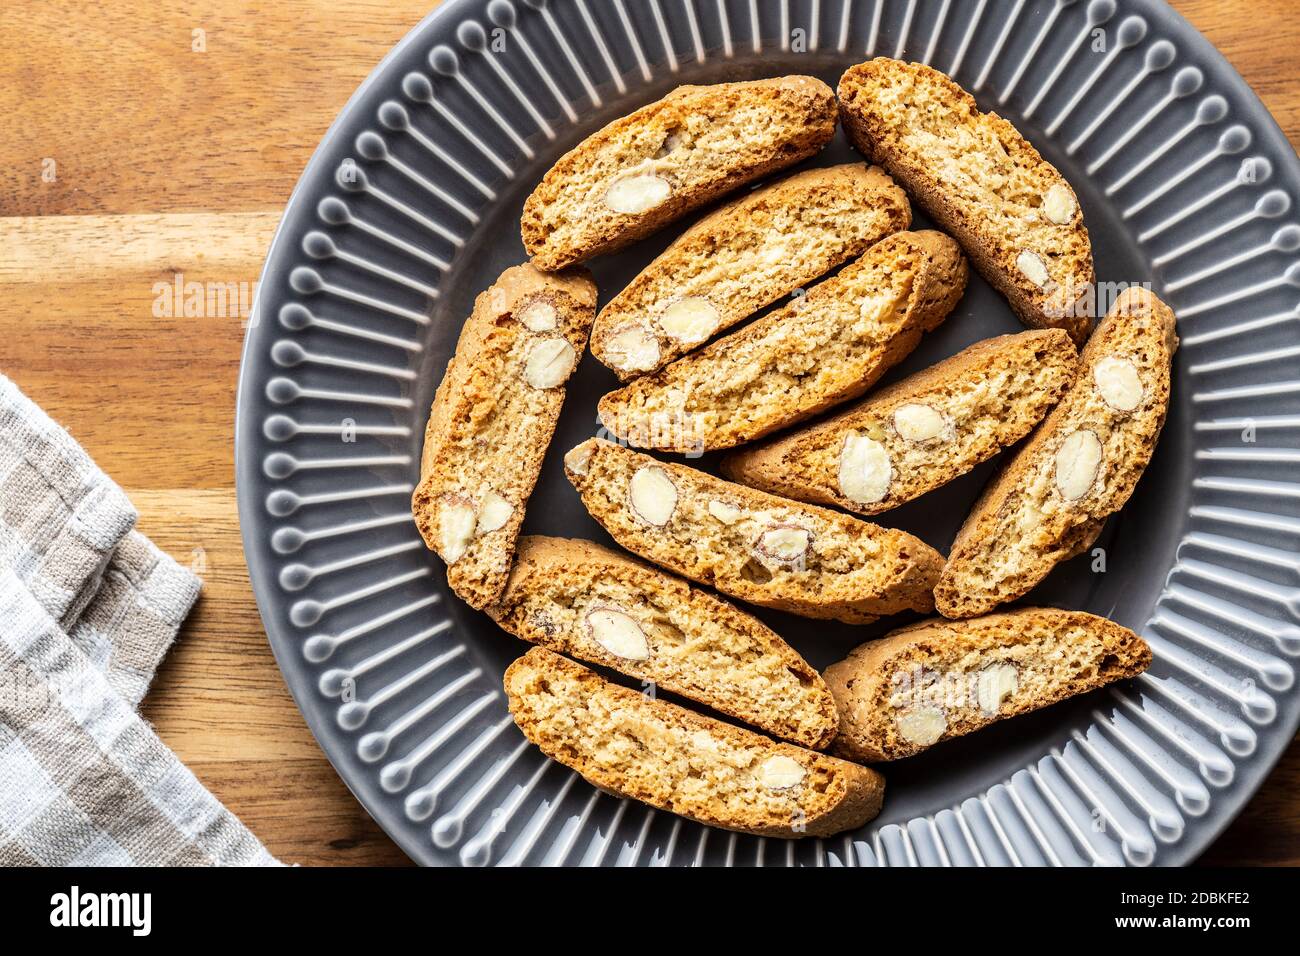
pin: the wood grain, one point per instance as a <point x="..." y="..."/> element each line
<point x="139" y="120"/>
<point x="168" y="161"/>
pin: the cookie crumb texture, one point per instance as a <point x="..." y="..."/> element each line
<point x="492" y="419"/>
<point x="681" y="762"/>
<point x="594" y="604"/>
<point x="918" y="434"/>
<point x="826" y="347"/>
<point x="751" y="545"/>
<point x="1013" y="212"/>
<point x="744" y="257"/>
<point x="1079" y="467"/>
<point x="941" y="679"/>
<point x="647" y="169"/>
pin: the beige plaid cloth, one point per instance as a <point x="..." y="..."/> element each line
<point x="88" y="608"/>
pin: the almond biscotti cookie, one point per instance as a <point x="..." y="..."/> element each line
<point x="749" y="544"/>
<point x="826" y="347"/>
<point x="680" y="761"/>
<point x="983" y="182"/>
<point x="743" y="258"/>
<point x="941" y="679"/>
<point x="1079" y="467"/>
<point x="594" y="604"/>
<point x="492" y="419"/>
<point x="920" y="433"/>
<point x="643" y="171"/>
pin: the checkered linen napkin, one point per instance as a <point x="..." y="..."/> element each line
<point x="88" y="608"/>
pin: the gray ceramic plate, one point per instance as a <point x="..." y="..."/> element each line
<point x="410" y="207"/>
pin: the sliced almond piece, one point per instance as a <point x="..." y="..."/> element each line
<point x="786" y="544"/>
<point x="494" y="513"/>
<point x="865" y="469"/>
<point x="618" y="633"/>
<point x="1077" y="462"/>
<point x="922" y="726"/>
<point x="636" y="194"/>
<point x="917" y="422"/>
<point x="690" y="320"/>
<point x="1118" y="383"/>
<point x="1033" y="268"/>
<point x="578" y="459"/>
<point x="653" y="495"/>
<point x="780" y="772"/>
<point x="550" y="363"/>
<point x="456" y="522"/>
<point x="632" y="348"/>
<point x="997" y="682"/>
<point x="726" y="513"/>
<point x="1059" y="205"/>
<point x="705" y="741"/>
<point x="539" y="316"/>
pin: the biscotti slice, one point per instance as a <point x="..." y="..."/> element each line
<point x="492" y="419"/>
<point x="920" y="433"/>
<point x="676" y="760"/>
<point x="824" y="348"/>
<point x="594" y="604"/>
<point x="941" y="679"/>
<point x="1079" y="466"/>
<point x="749" y="544"/>
<point x="643" y="171"/>
<point x="743" y="258"/>
<point x="980" y="180"/>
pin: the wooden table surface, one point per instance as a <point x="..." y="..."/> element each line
<point x="131" y="155"/>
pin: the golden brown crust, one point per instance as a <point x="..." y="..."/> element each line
<point x="704" y="140"/>
<point x="980" y="180"/>
<point x="695" y="644"/>
<point x="851" y="328"/>
<point x="718" y="534"/>
<point x="746" y="255"/>
<point x="488" y="429"/>
<point x="989" y="396"/>
<point x="952" y="669"/>
<point x="679" y="761"/>
<point x="1022" y="525"/>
